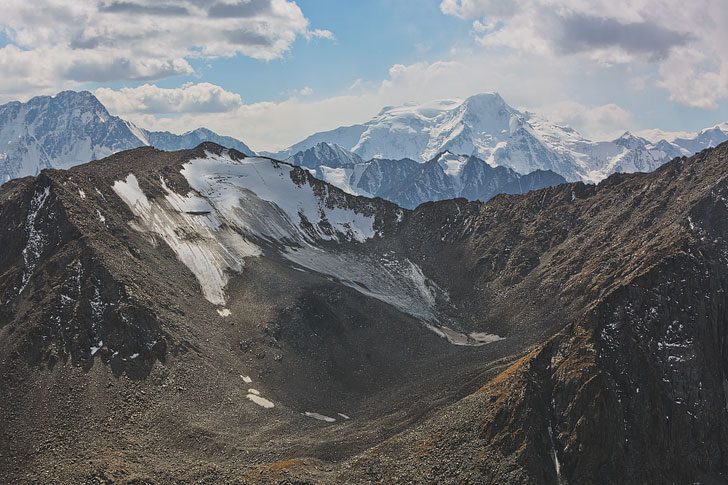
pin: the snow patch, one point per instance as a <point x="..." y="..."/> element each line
<point x="138" y="132"/>
<point x="320" y="417"/>
<point x="97" y="347"/>
<point x="453" y="165"/>
<point x="339" y="177"/>
<point x="131" y="193"/>
<point x="260" y="401"/>
<point x="554" y="455"/>
<point x="399" y="283"/>
<point x="201" y="242"/>
<point x="474" y="339"/>
<point x="36" y="239"/>
<point x="260" y="195"/>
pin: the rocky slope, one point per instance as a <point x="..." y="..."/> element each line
<point x="632" y="390"/>
<point x="73" y="128"/>
<point x="202" y="316"/>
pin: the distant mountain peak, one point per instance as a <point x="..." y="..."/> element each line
<point x="482" y="125"/>
<point x="445" y="153"/>
<point x="74" y="127"/>
<point x="324" y="154"/>
<point x="70" y="98"/>
<point x="488" y="99"/>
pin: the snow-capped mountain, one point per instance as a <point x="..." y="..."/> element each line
<point x="628" y="153"/>
<point x="485" y="126"/>
<point x="328" y="154"/>
<point x="409" y="184"/>
<point x="708" y="138"/>
<point x="167" y="141"/>
<point x="72" y="128"/>
<point x="482" y="125"/>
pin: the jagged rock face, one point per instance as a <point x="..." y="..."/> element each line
<point x="409" y="184"/>
<point x="449" y="176"/>
<point x="78" y="306"/>
<point x="462" y="341"/>
<point x="382" y="175"/>
<point x="73" y="128"/>
<point x="327" y="154"/>
<point x="58" y="132"/>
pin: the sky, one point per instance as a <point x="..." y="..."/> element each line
<point x="271" y="72"/>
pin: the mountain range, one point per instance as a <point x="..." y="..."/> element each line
<point x="485" y="126"/>
<point x="73" y="128"/>
<point x="412" y="154"/>
<point x="206" y="316"/>
<point x="409" y="184"/>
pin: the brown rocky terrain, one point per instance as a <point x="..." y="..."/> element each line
<point x="609" y="300"/>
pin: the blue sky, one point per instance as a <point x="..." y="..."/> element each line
<point x="370" y="37"/>
<point x="273" y="71"/>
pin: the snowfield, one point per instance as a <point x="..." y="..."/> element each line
<point x="211" y="229"/>
<point x="236" y="208"/>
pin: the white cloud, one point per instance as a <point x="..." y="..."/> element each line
<point x="320" y="34"/>
<point x="268" y="125"/>
<point x="306" y="91"/>
<point x="695" y="78"/>
<point x="684" y="39"/>
<point x="655" y="134"/>
<point x="54" y="42"/>
<point x="189" y="98"/>
<point x="605" y="122"/>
